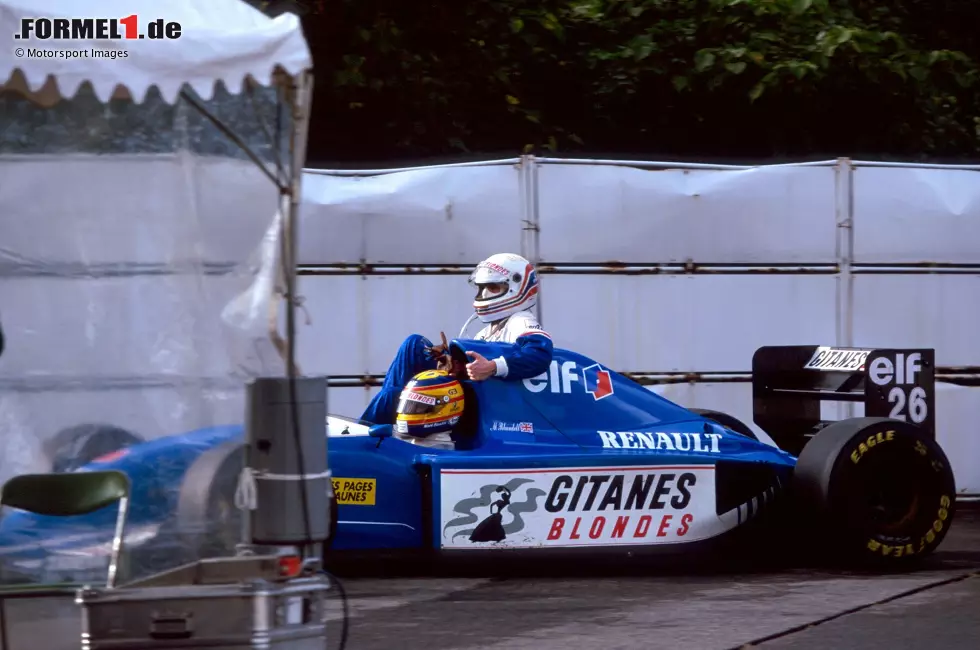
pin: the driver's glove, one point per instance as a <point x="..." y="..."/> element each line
<point x="438" y="351"/>
<point x="444" y="360"/>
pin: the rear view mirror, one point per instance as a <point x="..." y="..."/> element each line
<point x="380" y="431"/>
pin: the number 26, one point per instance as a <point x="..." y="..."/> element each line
<point x="918" y="409"/>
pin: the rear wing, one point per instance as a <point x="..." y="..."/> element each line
<point x="789" y="383"/>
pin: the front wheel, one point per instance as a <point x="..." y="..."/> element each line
<point x="208" y="522"/>
<point x="81" y="444"/>
<point x="883" y="491"/>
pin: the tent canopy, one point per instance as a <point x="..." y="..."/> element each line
<point x="220" y="40"/>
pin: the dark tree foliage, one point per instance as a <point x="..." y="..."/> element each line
<point x="736" y="79"/>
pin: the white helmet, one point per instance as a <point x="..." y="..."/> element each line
<point x="505" y="284"/>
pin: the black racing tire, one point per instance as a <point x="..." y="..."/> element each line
<point x="726" y="420"/>
<point x="79" y="445"/>
<point x="333" y="520"/>
<point x="882" y="492"/>
<point x="327" y="555"/>
<point x="207" y="521"/>
<point x="333" y="525"/>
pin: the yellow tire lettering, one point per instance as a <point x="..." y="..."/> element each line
<point x="943" y="514"/>
<point x="921" y="448"/>
<point x="869" y="443"/>
<point x="944" y="501"/>
<point x="909" y="549"/>
<point x="886" y="550"/>
<point x="873" y="545"/>
<point x="937" y="526"/>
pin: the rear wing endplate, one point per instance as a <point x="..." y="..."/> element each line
<point x="789" y="382"/>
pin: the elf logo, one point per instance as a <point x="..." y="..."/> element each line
<point x="598" y="381"/>
<point x="595" y="380"/>
<point x="902" y="371"/>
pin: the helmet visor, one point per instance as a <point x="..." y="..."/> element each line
<point x="488" y="274"/>
<point x="490" y="290"/>
<point x="412" y="403"/>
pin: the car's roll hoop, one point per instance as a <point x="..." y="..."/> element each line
<point x="789" y="382"/>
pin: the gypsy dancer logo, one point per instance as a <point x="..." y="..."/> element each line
<point x="498" y="497"/>
<point x="491" y="529"/>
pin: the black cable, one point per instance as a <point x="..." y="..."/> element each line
<point x="345" y="606"/>
<point x="286" y="249"/>
<point x="290" y="278"/>
<point x="287" y="246"/>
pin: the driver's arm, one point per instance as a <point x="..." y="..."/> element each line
<point x="529" y="356"/>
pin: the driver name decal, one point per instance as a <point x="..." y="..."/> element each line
<point x="568" y="507"/>
<point x="660" y="441"/>
<point x="521" y="427"/>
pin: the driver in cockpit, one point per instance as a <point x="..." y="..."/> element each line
<point x="429" y="408"/>
<point x="506" y="291"/>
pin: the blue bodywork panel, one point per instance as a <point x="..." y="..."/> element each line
<point x="579" y="456"/>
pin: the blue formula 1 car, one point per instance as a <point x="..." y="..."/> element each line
<point x="578" y="460"/>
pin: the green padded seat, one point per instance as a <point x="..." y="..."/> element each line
<point x="71" y="494"/>
<point x="65" y="495"/>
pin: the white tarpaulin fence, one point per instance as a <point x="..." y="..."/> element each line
<point x="659" y="269"/>
<point x="140" y="241"/>
<point x="134" y="292"/>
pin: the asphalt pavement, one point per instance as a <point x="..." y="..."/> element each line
<point x="937" y="606"/>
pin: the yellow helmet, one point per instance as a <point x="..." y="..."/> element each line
<point x="432" y="402"/>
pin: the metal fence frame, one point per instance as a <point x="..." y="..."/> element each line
<point x="845" y="268"/>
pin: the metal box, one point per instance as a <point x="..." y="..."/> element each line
<point x="253" y="614"/>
